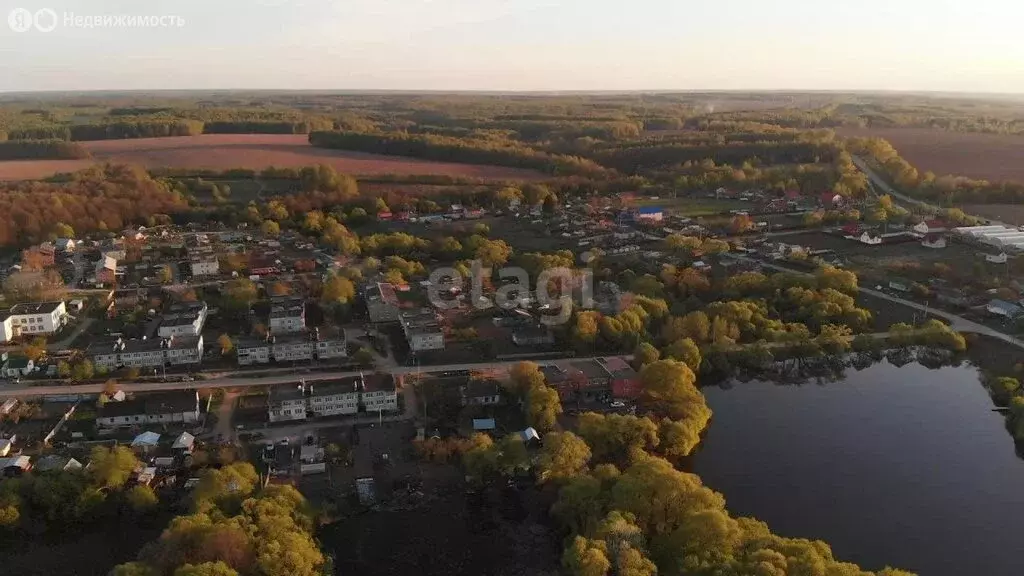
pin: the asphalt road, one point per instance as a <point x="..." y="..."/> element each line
<point x="244" y="381"/>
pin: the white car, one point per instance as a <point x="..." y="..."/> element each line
<point x="618" y="404"/>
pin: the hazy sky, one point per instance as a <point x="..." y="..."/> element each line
<point x="962" y="45"/>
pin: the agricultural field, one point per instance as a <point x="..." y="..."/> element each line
<point x="994" y="157"/>
<point x="254" y="151"/>
<point x="1006" y="213"/>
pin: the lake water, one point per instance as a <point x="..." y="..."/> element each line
<point x="908" y="467"/>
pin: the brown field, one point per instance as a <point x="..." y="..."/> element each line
<point x="1005" y="213"/>
<point x="255" y="151"/>
<point x="993" y="157"/>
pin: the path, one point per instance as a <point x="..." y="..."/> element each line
<point x="224" y="412"/>
<point x="63" y="343"/>
<point x="880" y="182"/>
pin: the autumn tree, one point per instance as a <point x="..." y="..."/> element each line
<point x="225" y="343"/>
<point x="563" y="456"/>
<point x="111" y="468"/>
<point x="542" y="408"/>
<point x="668" y="388"/>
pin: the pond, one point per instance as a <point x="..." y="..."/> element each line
<point x="908" y="467"/>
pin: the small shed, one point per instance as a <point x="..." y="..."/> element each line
<point x="146" y="440"/>
<point x="529" y="435"/>
<point x="184" y="443"/>
<point x="6" y="444"/>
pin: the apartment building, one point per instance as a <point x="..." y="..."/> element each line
<point x="147" y="353"/>
<point x="374" y="393"/>
<point x="183" y="319"/>
<point x="287" y="315"/>
<point x="381" y="303"/>
<point x="290" y="348"/>
<point x="422" y="331"/>
<point x="36" y="318"/>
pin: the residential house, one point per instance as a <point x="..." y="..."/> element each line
<point x="287" y="315"/>
<point x="106" y="270"/>
<point x="56" y="462"/>
<point x="180" y="406"/>
<point x="147" y="353"/>
<point x="481" y="393"/>
<point x="183" y="444"/>
<point x="624" y="379"/>
<point x="17" y="366"/>
<point x="650" y="214"/>
<point x="126" y="299"/>
<point x="381" y="303"/>
<point x="64" y="244"/>
<point x="996" y="258"/>
<point x="532" y="336"/>
<point x="930" y="227"/>
<point x="204" y="266"/>
<point x="1003" y="308"/>
<point x="14" y="466"/>
<point x="6" y="444"/>
<point x="37" y="317"/>
<point x="899" y="285"/>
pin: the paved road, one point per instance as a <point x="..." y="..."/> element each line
<point x="246" y="380"/>
<point x="880" y="183"/>
<point x="958" y="323"/>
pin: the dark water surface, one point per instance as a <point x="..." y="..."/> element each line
<point x="908" y="467"/>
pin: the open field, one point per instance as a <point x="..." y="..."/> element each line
<point x="255" y="151"/>
<point x="1005" y="213"/>
<point x="994" y="157"/>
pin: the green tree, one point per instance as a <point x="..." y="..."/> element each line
<point x="617" y="438"/>
<point x="225" y="343"/>
<point x="586" y="557"/>
<point x="239" y="294"/>
<point x="111" y="468"/>
<point x="165" y="275"/>
<point x="542" y="408"/>
<point x="35" y="350"/>
<point x="62" y="230"/>
<point x="338" y="290"/>
<point x="668" y="388"/>
<point x="563" y="456"/>
<point x="133" y="569"/>
<point x="270" y="228"/>
<point x="686" y="351"/>
<point x="363" y="357"/>
<point x="206" y="569"/>
<point x="224" y="487"/>
<point x="141" y="498"/>
<point x="645" y="354"/>
<point x="481" y="457"/>
<point x="512" y="455"/>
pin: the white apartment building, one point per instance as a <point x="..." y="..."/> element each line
<point x="286" y="403"/>
<point x="335" y="398"/>
<point x="287" y="315"/>
<point x="289" y="348"/>
<point x="183" y="319"/>
<point x="332" y="398"/>
<point x="249" y="352"/>
<point x="422" y="331"/>
<point x="206" y="266"/>
<point x="36" y="318"/>
<point x="6" y="327"/>
<point x="147" y="353"/>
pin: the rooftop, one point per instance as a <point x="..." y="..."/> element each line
<point x="35" y="307"/>
<point x="590" y="368"/>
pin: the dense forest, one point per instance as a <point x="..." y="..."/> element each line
<point x="41" y="149"/>
<point x="100" y="198"/>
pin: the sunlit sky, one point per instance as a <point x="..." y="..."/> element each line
<point x="942" y="45"/>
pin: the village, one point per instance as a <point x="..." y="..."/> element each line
<point x="272" y="344"/>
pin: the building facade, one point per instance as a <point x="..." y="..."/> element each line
<point x="204" y="266"/>
<point x="37" y="317"/>
<point x="179" y="406"/>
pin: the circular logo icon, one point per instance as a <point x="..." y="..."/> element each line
<point x="20" y="20"/>
<point x="46" y="20"/>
